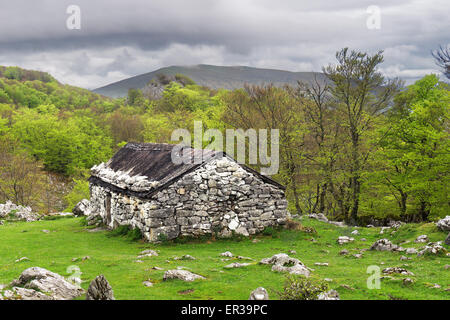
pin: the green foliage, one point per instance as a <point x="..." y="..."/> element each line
<point x="415" y="149"/>
<point x="64" y="146"/>
<point x="302" y="288"/>
<point x="127" y="232"/>
<point x="79" y="192"/>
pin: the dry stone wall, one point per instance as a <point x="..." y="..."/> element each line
<point x="219" y="197"/>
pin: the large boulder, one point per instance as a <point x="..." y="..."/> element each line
<point x="444" y="224"/>
<point x="40" y="281"/>
<point x="12" y="211"/>
<point x="384" y="245"/>
<point x="182" y="275"/>
<point x="82" y="208"/>
<point x="259" y="294"/>
<point x="432" y="248"/>
<point x="99" y="289"/>
<point x="281" y="262"/>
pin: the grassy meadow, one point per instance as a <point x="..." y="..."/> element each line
<point x="69" y="239"/>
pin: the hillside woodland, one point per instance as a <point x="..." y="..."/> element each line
<point x="361" y="148"/>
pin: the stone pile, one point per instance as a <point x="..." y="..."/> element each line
<point x="12" y="211"/>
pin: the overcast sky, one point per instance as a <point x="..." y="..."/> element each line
<point x="119" y="39"/>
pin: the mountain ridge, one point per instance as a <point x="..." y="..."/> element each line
<point x="216" y="77"/>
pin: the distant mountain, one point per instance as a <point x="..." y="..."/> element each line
<point x="212" y="76"/>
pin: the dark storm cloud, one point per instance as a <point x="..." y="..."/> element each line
<point x="123" y="38"/>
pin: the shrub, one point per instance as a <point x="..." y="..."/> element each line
<point x="268" y="231"/>
<point x="133" y="234"/>
<point x="302" y="288"/>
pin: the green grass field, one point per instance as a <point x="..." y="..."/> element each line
<point x="115" y="258"/>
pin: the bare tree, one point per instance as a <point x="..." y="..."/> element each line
<point x="442" y="58"/>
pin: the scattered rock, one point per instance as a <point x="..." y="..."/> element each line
<point x="236" y="265"/>
<point x="447" y="266"/>
<point x="447" y="240"/>
<point x="46" y="231"/>
<point x="444" y="224"/>
<point x="292" y="252"/>
<point x="408" y="281"/>
<point x="22" y="259"/>
<point x="226" y="254"/>
<point x="383" y="229"/>
<point x="398" y="270"/>
<point x="384" y="245"/>
<point x="343" y="252"/>
<point x="182" y="275"/>
<point x="259" y="294"/>
<point x="433" y="248"/>
<point x="344" y="239"/>
<point x="187" y="257"/>
<point x="283" y="263"/>
<point x="82" y="208"/>
<point x="403" y="258"/>
<point x="329" y="295"/>
<point x="147" y="283"/>
<point x="318" y="216"/>
<point x="358" y="255"/>
<point x="421" y="239"/>
<point x="148" y="253"/>
<point x="85" y="258"/>
<point x="99" y="289"/>
<point x="157" y="268"/>
<point x="322" y="264"/>
<point x="49" y="283"/>
<point x="16" y="212"/>
<point x="355" y="232"/>
<point x="411" y="251"/>
<point x="328" y="279"/>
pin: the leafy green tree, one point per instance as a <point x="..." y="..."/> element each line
<point x="416" y="149"/>
<point x="361" y="93"/>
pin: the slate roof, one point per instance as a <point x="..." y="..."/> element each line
<point x="154" y="160"/>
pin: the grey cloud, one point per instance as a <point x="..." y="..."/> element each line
<point x="124" y="38"/>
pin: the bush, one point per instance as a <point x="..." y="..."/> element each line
<point x="301" y="288"/>
<point x="133" y="234"/>
<point x="268" y="231"/>
<point x="79" y="192"/>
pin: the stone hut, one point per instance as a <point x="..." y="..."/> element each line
<point x="143" y="187"/>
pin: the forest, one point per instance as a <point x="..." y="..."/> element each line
<point x="359" y="147"/>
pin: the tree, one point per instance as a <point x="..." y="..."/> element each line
<point x="442" y="59"/>
<point x="21" y="177"/>
<point x="361" y="93"/>
<point x="416" y="149"/>
<point x="269" y="107"/>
